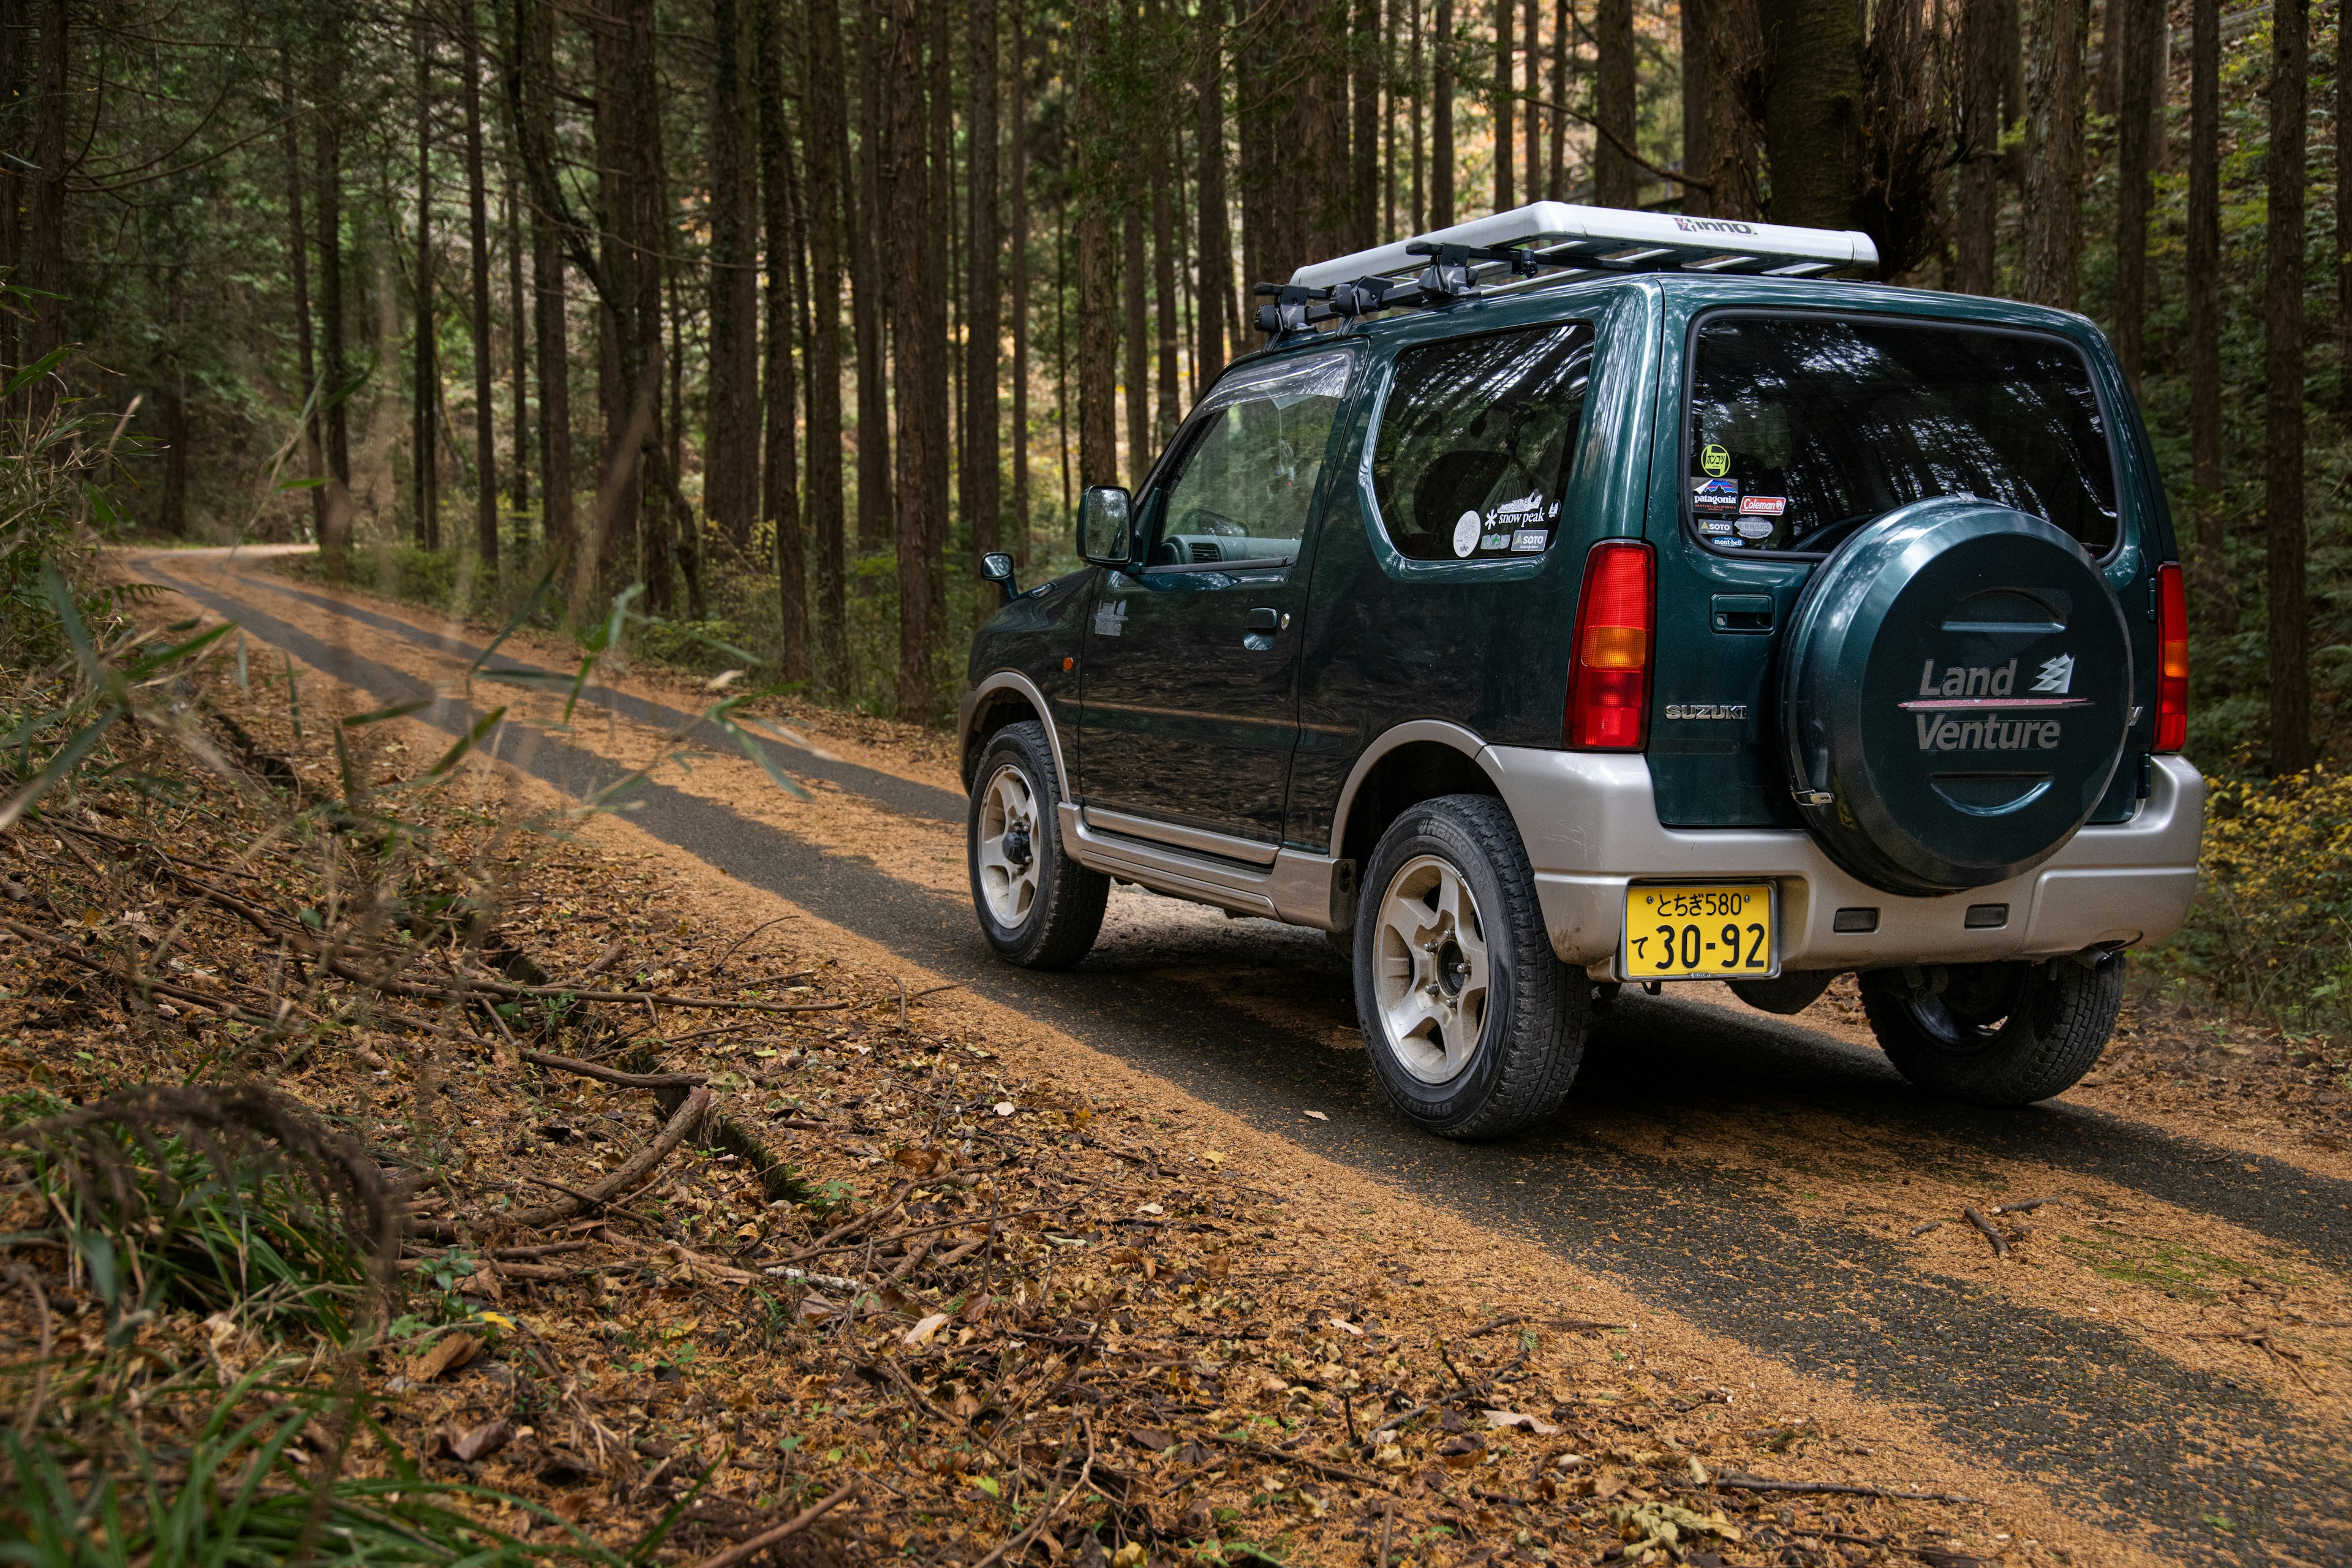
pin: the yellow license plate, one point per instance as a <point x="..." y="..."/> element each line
<point x="1699" y="932"/>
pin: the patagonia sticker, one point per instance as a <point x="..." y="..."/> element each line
<point x="1721" y="495"/>
<point x="1528" y="541"/>
<point x="1763" y="506"/>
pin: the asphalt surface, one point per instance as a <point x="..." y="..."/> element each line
<point x="2117" y="1432"/>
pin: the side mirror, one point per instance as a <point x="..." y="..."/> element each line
<point x="1105" y="526"/>
<point x="997" y="567"/>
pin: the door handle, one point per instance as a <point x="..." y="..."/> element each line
<point x="1262" y="620"/>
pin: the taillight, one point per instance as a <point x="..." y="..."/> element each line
<point x="2172" y="660"/>
<point x="1609" y="684"/>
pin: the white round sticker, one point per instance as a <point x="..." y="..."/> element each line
<point x="1465" y="533"/>
<point x="1755" y="527"/>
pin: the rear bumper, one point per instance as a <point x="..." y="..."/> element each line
<point x="1590" y="824"/>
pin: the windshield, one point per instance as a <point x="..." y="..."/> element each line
<point x="1803" y="427"/>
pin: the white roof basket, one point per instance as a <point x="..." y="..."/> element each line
<point x="1612" y="239"/>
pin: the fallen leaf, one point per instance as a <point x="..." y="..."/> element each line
<point x="1213" y="1157"/>
<point x="920" y="1334"/>
<point x="1318" y="1116"/>
<point x="448" y="1353"/>
<point x="1004" y="1107"/>
<point x="1151" y="1208"/>
<point x="1514" y="1419"/>
<point x="1152" y="1439"/>
<point x="1345" y="1327"/>
<point x="483" y="1440"/>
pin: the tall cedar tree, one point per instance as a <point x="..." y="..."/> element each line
<point x="1983" y="34"/>
<point x="299" y="265"/>
<point x="779" y="500"/>
<point x="1735" y="51"/>
<point x="1506" y="191"/>
<point x="1440" y="112"/>
<point x="477" y="230"/>
<point x="983" y="470"/>
<point x="823" y="83"/>
<point x="2050" y="268"/>
<point x="534" y="89"/>
<point x="327" y="224"/>
<point x="1133" y="267"/>
<point x="1699" y="86"/>
<point x="1613" y="173"/>
<point x="1415" y="73"/>
<point x="15" y="29"/>
<point x="1214" y="254"/>
<point x="45" y="272"/>
<point x="426" y="372"/>
<point x="872" y="285"/>
<point x="518" y="344"/>
<point x="1530" y="62"/>
<point x="919" y="332"/>
<point x="1364" y="132"/>
<point x="2284" y="163"/>
<point x="1812" y="88"/>
<point x="2216" y="603"/>
<point x="938" y="270"/>
<point x="1097" y="336"/>
<point x="2136" y="104"/>
<point x="730" y="462"/>
<point x="1163" y="273"/>
<point x="2342" y="217"/>
<point x="1017" y="191"/>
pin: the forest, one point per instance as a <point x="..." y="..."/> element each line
<point x="788" y="311"/>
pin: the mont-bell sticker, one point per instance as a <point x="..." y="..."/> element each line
<point x="1763" y="506"/>
<point x="1465" y="534"/>
<point x="1714" y="461"/>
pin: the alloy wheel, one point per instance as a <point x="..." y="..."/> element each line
<point x="1008" y="848"/>
<point x="1431" y="969"/>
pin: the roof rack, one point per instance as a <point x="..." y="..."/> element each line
<point x="1454" y="263"/>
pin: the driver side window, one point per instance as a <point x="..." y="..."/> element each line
<point x="1245" y="486"/>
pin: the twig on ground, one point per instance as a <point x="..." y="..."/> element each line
<point x="1019" y="1544"/>
<point x="1920" y="1230"/>
<point x="744" y="1551"/>
<point x="634" y="1170"/>
<point x="1736" y="1481"/>
<point x="613" y="1075"/>
<point x="2000" y="1242"/>
<point x="2028" y="1206"/>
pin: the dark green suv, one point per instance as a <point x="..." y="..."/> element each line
<point x="1578" y="598"/>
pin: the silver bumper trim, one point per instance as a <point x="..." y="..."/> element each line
<point x="1591" y="824"/>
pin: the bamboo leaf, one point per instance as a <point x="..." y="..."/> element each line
<point x="40" y="367"/>
<point x="467" y="741"/>
<point x="538" y="595"/>
<point x="759" y="753"/>
<point x="377" y="716"/>
<point x="68" y="756"/>
<point x="61" y="600"/>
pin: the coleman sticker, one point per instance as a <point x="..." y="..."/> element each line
<point x="1763" y="506"/>
<point x="1465" y="534"/>
<point x="1714" y="461"/>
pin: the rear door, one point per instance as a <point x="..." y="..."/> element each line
<point x="1782" y="434"/>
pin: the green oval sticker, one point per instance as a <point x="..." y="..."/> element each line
<point x="1714" y="461"/>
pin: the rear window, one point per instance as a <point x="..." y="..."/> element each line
<point x="1803" y="428"/>
<point x="1474" y="442"/>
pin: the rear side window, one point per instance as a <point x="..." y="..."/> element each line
<point x="1476" y="441"/>
<point x="1804" y="427"/>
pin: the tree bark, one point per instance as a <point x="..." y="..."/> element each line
<point x="2050" y="268"/>
<point x="1614" y="177"/>
<point x="518" y="348"/>
<point x="1097" y="303"/>
<point x="828" y="169"/>
<point x="46" y="264"/>
<point x="1699" y="86"/>
<point x="2290" y="668"/>
<point x="1216" y="253"/>
<point x="1734" y="49"/>
<point x="1531" y="115"/>
<point x="173" y="509"/>
<point x="1506" y="191"/>
<point x="1133" y="267"/>
<point x="1364" y="133"/>
<point x="2216" y="604"/>
<point x="334" y="360"/>
<point x="477" y="218"/>
<point x="1813" y="107"/>
<point x="1441" y="117"/>
<point x="2142" y="28"/>
<point x="872" y="287"/>
<point x="1018" y="78"/>
<point x="2343" y="64"/>
<point x="1163" y="289"/>
<point x="1982" y="36"/>
<point x="730" y="458"/>
<point x="1417" y="71"/>
<point x="919" y="360"/>
<point x="426" y="395"/>
<point x="550" y="323"/>
<point x="936" y="270"/>
<point x="780" y="489"/>
<point x="299" y="266"/>
<point x="16" y="33"/>
<point x="983" y="461"/>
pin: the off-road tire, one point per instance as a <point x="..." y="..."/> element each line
<point x="2057" y="1020"/>
<point x="1536" y="1010"/>
<point x="1066" y="913"/>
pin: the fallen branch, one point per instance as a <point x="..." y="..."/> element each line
<point x="1747" y="1483"/>
<point x="744" y="1551"/>
<point x="613" y="1075"/>
<point x="1019" y="1544"/>
<point x="2000" y="1242"/>
<point x="1920" y="1230"/>
<point x="690" y="1116"/>
<point x="2028" y="1206"/>
<point x="1305" y="1461"/>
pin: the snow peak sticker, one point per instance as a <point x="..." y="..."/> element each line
<point x="1714" y="461"/>
<point x="1714" y="495"/>
<point x="1465" y="534"/>
<point x="1529" y="507"/>
<point x="1763" y="506"/>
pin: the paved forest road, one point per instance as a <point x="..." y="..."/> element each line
<point x="1743" y="1173"/>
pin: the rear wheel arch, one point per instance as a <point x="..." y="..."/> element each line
<point x="1409" y="764"/>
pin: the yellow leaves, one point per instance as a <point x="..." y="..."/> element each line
<point x="1213" y="1158"/>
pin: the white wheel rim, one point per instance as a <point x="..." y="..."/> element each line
<point x="1008" y="847"/>
<point x="1430" y="970"/>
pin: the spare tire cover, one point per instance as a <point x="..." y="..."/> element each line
<point x="1955" y="690"/>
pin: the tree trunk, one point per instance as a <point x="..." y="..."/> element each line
<point x="426" y="395"/>
<point x="2106" y="89"/>
<point x="1133" y="268"/>
<point x="1531" y="78"/>
<point x="1415" y="69"/>
<point x="550" y="320"/>
<point x="827" y="123"/>
<point x="1982" y="36"/>
<point x="329" y="225"/>
<point x="1441" y="118"/>
<point x="518" y="351"/>
<point x="1506" y="191"/>
<point x="477" y="218"/>
<point x="731" y="458"/>
<point x="983" y="463"/>
<point x="779" y="490"/>
<point x="1097" y="336"/>
<point x="1699" y="86"/>
<point x="2290" y="667"/>
<point x="2050" y="269"/>
<point x="936" y="271"/>
<point x="2142" y="30"/>
<point x="1019" y="290"/>
<point x="15" y="30"/>
<point x="622" y="391"/>
<point x="1735" y="51"/>
<point x="1215" y="258"/>
<point x="1615" y="181"/>
<point x="2216" y="603"/>
<point x="299" y="259"/>
<point x="2343" y="63"/>
<point x="919" y="360"/>
<point x="173" y="511"/>
<point x="1813" y="108"/>
<point x="872" y="287"/>
<point x="1163" y="287"/>
<point x="44" y="270"/>
<point x="1364" y="133"/>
